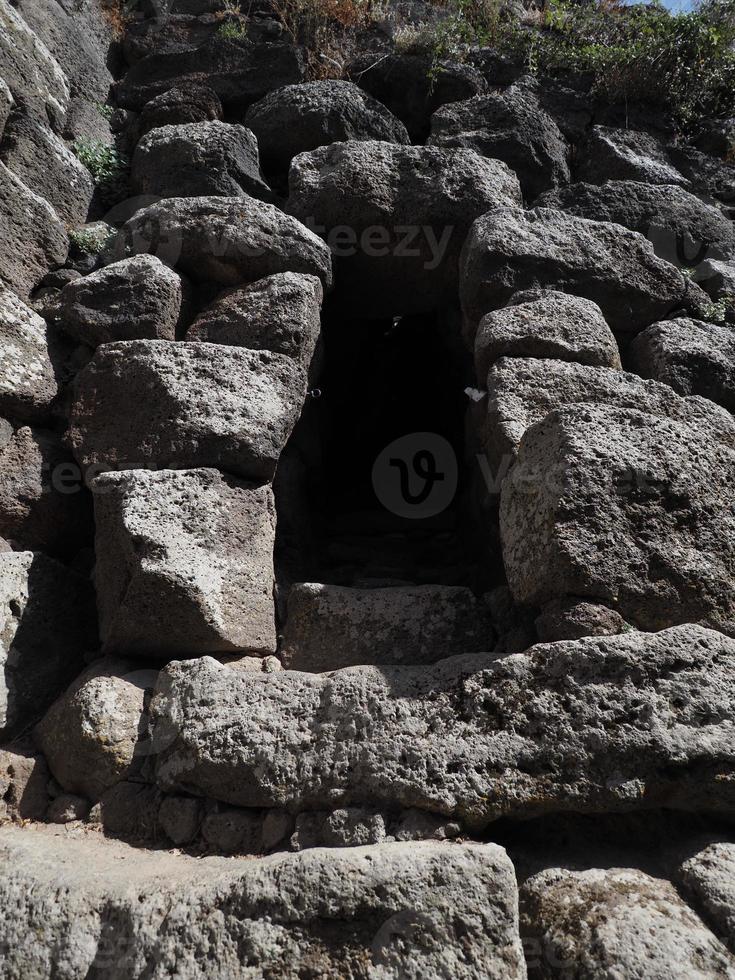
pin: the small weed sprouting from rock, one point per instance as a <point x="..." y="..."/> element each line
<point x="91" y="242"/>
<point x="104" y="110"/>
<point x="232" y="29"/>
<point x="103" y="161"/>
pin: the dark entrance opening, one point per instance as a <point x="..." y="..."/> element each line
<point x="379" y="381"/>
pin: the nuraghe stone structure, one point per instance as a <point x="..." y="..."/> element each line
<point x="367" y="556"/>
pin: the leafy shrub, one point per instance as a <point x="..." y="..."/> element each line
<point x="103" y="161"/>
<point x="92" y="242"/>
<point x="683" y="62"/>
<point x="232" y="29"/>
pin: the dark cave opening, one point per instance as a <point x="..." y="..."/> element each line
<point x="385" y="383"/>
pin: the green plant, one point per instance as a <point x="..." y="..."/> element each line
<point x="721" y="310"/>
<point x="103" y="161"/>
<point x="684" y="62"/>
<point x="232" y="29"/>
<point x="92" y="242"/>
<point x="104" y="110"/>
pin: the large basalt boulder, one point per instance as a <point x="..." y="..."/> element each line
<point x="46" y="165"/>
<point x="280" y="313"/>
<point x="43" y="505"/>
<point x="94" y="734"/>
<point x="158" y="404"/>
<point x="184" y="563"/>
<point x="604" y="723"/>
<point x="34" y="238"/>
<point x="414" y="86"/>
<point x="198" y="159"/>
<point x="237" y="70"/>
<point x="396" y="217"/>
<point x="329" y="626"/>
<point x="407" y="910"/>
<point x="626" y="507"/>
<point x="707" y="877"/>
<point x="82" y="38"/>
<point x="46" y="628"/>
<point x="138" y="298"/>
<point x="28" y="67"/>
<point x="28" y="378"/>
<point x="625" y="154"/>
<point x="545" y="323"/>
<point x="510" y="126"/>
<point x="682" y="228"/>
<point x="227" y="240"/>
<point x="509" y="249"/>
<point x="708" y="175"/>
<point x="299" y="118"/>
<point x="615" y="922"/>
<point x="695" y="358"/>
<point x="24" y="779"/>
<point x="523" y="391"/>
<point x="178" y="106"/>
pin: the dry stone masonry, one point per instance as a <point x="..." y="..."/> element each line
<point x="367" y="508"/>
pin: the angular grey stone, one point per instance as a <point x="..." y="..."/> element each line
<point x="718" y="279"/>
<point x="179" y="105"/>
<point x="34" y="238"/>
<point x="82" y="38"/>
<point x="45" y="632"/>
<point x="228" y="240"/>
<point x="43" y="504"/>
<point x="184" y="563"/>
<point x="67" y="809"/>
<point x="180" y="818"/>
<point x="522" y="392"/>
<point x="625" y="154"/>
<point x="24" y="779"/>
<point x="239" y="71"/>
<point x="547" y="323"/>
<point x="28" y="67"/>
<point x="630" y="722"/>
<point x="93" y="736"/>
<point x="707" y="877"/>
<point x="130" y="810"/>
<point x="626" y="508"/>
<point x="348" y="827"/>
<point x="329" y="626"/>
<point x="510" y="126"/>
<point x="280" y="313"/>
<point x="198" y="159"/>
<point x="682" y="228"/>
<point x="156" y="404"/>
<point x="28" y="383"/>
<point x="135" y="299"/>
<point x="508" y="250"/>
<point x="300" y="118"/>
<point x="397" y="215"/>
<point x="396" y="910"/>
<point x="615" y="922"/>
<point x="572" y="619"/>
<point x="695" y="358"/>
<point x="230" y="831"/>
<point x="46" y="165"/>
